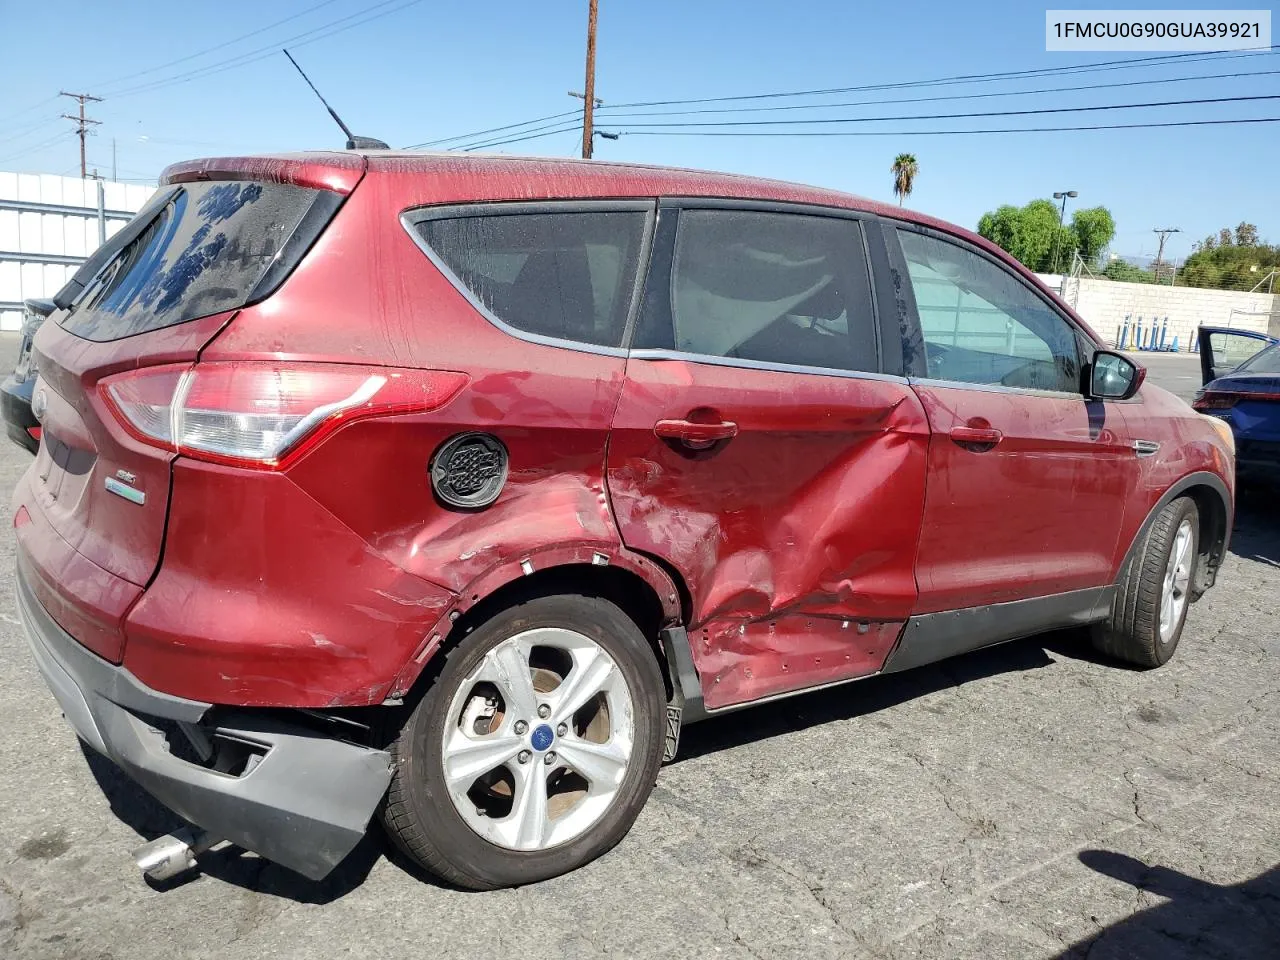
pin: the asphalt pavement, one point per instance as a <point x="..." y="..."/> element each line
<point x="1027" y="801"/>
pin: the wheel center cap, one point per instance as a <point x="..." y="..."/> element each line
<point x="542" y="737"/>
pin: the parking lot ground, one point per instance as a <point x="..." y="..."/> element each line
<point x="1027" y="801"/>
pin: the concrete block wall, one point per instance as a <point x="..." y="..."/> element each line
<point x="1105" y="305"/>
<point x="41" y="249"/>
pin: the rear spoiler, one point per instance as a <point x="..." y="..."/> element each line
<point x="336" y="172"/>
<point x="41" y="308"/>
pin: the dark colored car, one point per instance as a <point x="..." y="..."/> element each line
<point x="15" y="393"/>
<point x="449" y="488"/>
<point x="1241" y="373"/>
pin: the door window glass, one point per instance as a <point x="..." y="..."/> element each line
<point x="983" y="324"/>
<point x="773" y="287"/>
<point x="1230" y="350"/>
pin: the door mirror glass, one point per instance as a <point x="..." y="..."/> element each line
<point x="1114" y="376"/>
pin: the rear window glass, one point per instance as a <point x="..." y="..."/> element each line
<point x="566" y="275"/>
<point x="1268" y="361"/>
<point x="205" y="251"/>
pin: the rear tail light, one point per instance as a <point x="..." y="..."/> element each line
<point x="263" y="414"/>
<point x="1214" y="400"/>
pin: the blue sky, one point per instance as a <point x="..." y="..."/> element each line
<point x="435" y="68"/>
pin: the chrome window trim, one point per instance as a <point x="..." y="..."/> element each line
<point x="652" y="353"/>
<point x="409" y="219"/>
<point x="995" y="388"/>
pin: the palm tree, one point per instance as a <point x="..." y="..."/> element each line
<point x="904" y="171"/>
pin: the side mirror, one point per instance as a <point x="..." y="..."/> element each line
<point x="1113" y="376"/>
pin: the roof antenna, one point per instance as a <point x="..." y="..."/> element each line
<point x="353" y="142"/>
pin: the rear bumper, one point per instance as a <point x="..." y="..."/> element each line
<point x="15" y="407"/>
<point x="304" y="803"/>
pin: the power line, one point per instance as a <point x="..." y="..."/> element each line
<point x="313" y="35"/>
<point x="517" y="133"/>
<point x="25" y="151"/>
<point x="532" y="136"/>
<point x="478" y="133"/>
<point x="1104" y="66"/>
<point x="218" y="46"/>
<point x="937" y="133"/>
<point x="612" y="110"/>
<point x="958" y="116"/>
<point x="610" y="114"/>
<point x="192" y="56"/>
<point x="24" y="110"/>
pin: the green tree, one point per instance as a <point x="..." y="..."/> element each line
<point x="1093" y="229"/>
<point x="904" y="172"/>
<point x="1003" y="227"/>
<point x="1033" y="234"/>
<point x="1125" y="272"/>
<point x="1236" y="261"/>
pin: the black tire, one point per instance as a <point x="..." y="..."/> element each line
<point x="420" y="816"/>
<point x="1132" y="633"/>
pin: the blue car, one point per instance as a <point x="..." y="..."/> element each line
<point x="1241" y="373"/>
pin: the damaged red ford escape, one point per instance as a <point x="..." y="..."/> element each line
<point x="445" y="490"/>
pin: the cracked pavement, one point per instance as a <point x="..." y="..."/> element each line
<point x="1028" y="801"/>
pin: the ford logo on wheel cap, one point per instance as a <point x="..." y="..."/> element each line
<point x="542" y="737"/>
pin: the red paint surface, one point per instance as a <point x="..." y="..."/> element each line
<point x="1188" y="444"/>
<point x="265" y="598"/>
<point x="808" y="514"/>
<point x="86" y="601"/>
<point x="799" y="546"/>
<point x="1036" y="513"/>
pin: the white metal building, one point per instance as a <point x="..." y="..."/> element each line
<point x="48" y="226"/>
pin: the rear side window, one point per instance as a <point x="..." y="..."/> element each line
<point x="568" y="275"/>
<point x="773" y="287"/>
<point x="211" y="247"/>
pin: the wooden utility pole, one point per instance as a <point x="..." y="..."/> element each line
<point x="589" y="92"/>
<point x="82" y="124"/>
<point x="1164" y="235"/>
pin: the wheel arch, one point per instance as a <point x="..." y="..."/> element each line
<point x="640" y="587"/>
<point x="1214" y="504"/>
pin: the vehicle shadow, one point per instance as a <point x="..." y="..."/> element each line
<point x="147" y="817"/>
<point x="1257" y="529"/>
<point x="1201" y="919"/>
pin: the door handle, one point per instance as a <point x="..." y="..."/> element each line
<point x="977" y="436"/>
<point x="696" y="436"/>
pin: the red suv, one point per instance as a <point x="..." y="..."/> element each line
<point x="448" y="488"/>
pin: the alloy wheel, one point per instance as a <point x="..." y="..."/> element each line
<point x="1177" y="582"/>
<point x="538" y="739"/>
